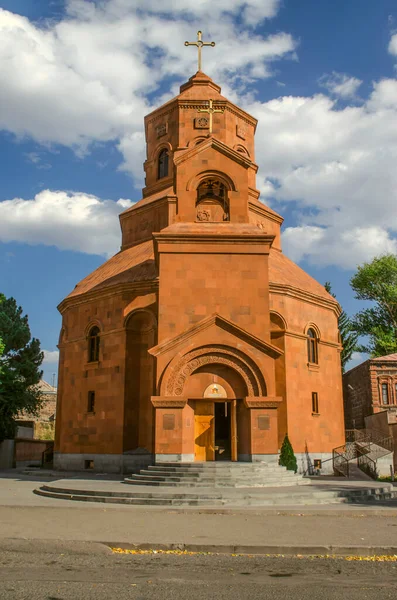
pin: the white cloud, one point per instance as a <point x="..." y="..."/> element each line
<point x="393" y="45"/>
<point x="67" y="220"/>
<point x="346" y="248"/>
<point x="340" y="84"/>
<point x="339" y="166"/>
<point x="85" y="78"/>
<point x="50" y="357"/>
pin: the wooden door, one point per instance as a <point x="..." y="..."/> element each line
<point x="204" y="431"/>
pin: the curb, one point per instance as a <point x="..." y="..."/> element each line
<point x="336" y="550"/>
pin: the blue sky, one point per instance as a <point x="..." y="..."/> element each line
<point x="79" y="77"/>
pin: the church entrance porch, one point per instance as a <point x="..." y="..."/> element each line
<point x="215" y="430"/>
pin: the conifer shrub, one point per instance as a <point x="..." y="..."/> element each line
<point x="287" y="456"/>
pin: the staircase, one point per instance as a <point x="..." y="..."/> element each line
<point x="366" y="447"/>
<point x="216" y="475"/>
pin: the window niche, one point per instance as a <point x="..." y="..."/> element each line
<point x="315" y="410"/>
<point x="163" y="164"/>
<point x="385" y="394"/>
<point x="93" y="344"/>
<point x="212" y="203"/>
<point x="91" y="402"/>
<point x="312" y="347"/>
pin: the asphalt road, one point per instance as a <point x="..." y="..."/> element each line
<point x="32" y="571"/>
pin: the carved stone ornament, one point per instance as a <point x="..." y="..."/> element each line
<point x="263" y="402"/>
<point x="203" y="215"/>
<point x="241" y="132"/>
<point x="161" y="129"/>
<point x="261" y="225"/>
<point x="168" y="402"/>
<point x="201" y="123"/>
<point x="228" y="356"/>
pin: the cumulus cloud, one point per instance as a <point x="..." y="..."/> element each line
<point x="67" y="220"/>
<point x="86" y="77"/>
<point x="393" y="45"/>
<point x="339" y="166"/>
<point x="340" y="84"/>
<point x="50" y="357"/>
<point x="92" y="75"/>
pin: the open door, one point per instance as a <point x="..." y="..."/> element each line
<point x="204" y="431"/>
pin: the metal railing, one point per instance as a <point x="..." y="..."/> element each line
<point x="360" y="443"/>
<point x="367" y="465"/>
<point x="339" y="462"/>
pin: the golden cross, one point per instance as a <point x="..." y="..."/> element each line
<point x="211" y="110"/>
<point x="199" y="45"/>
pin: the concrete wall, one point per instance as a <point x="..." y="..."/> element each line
<point x="6" y="454"/>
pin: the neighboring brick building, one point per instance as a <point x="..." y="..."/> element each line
<point x="370" y="388"/>
<point x="41" y="426"/>
<point x="199" y="340"/>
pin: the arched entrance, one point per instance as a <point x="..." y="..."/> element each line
<point x="215" y="380"/>
<point x="215" y="390"/>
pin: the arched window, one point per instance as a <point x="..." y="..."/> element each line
<point x="93" y="345"/>
<point x="212" y="201"/>
<point x="312" y="347"/>
<point x="162" y="168"/>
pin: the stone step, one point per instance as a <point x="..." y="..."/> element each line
<point x="244" y="485"/>
<point x="155" y="476"/>
<point x="216" y="465"/>
<point x="248" y="481"/>
<point x="220" y="499"/>
<point x="190" y="471"/>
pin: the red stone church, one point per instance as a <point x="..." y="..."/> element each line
<point x="199" y="340"/>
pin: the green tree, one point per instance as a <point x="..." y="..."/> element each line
<point x="376" y="281"/>
<point x="287" y="456"/>
<point x="348" y="335"/>
<point x="20" y="367"/>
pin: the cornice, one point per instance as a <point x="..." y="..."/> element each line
<point x="164" y="183"/>
<point x="301" y="336"/>
<point x="109" y="291"/>
<point x="264" y="211"/>
<point x="216" y="238"/>
<point x="220" y="147"/>
<point x="222" y="323"/>
<point x="289" y="290"/>
<point x="167" y="199"/>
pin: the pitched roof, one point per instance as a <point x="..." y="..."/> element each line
<point x="283" y="271"/>
<point x="387" y="358"/>
<point x="133" y="264"/>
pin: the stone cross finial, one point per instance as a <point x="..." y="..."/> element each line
<point x="199" y="45"/>
<point x="211" y="110"/>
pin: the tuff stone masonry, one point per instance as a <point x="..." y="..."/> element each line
<point x="199" y="340"/>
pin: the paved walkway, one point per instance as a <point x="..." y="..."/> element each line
<point x="361" y="528"/>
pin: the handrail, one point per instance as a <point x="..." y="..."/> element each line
<point x="340" y="463"/>
<point x="367" y="465"/>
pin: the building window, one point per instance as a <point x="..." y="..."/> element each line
<point x="385" y="393"/>
<point x="162" y="169"/>
<point x="93" y="345"/>
<point x="312" y="347"/>
<point x="91" y="402"/>
<point x="315" y="403"/>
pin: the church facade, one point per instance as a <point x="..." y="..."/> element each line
<point x="200" y="340"/>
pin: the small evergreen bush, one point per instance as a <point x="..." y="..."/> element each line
<point x="287" y="456"/>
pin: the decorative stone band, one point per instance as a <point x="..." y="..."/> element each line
<point x="263" y="401"/>
<point x="168" y="402"/>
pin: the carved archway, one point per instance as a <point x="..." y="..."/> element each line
<point x="179" y="371"/>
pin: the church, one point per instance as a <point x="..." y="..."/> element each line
<point x="199" y="340"/>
